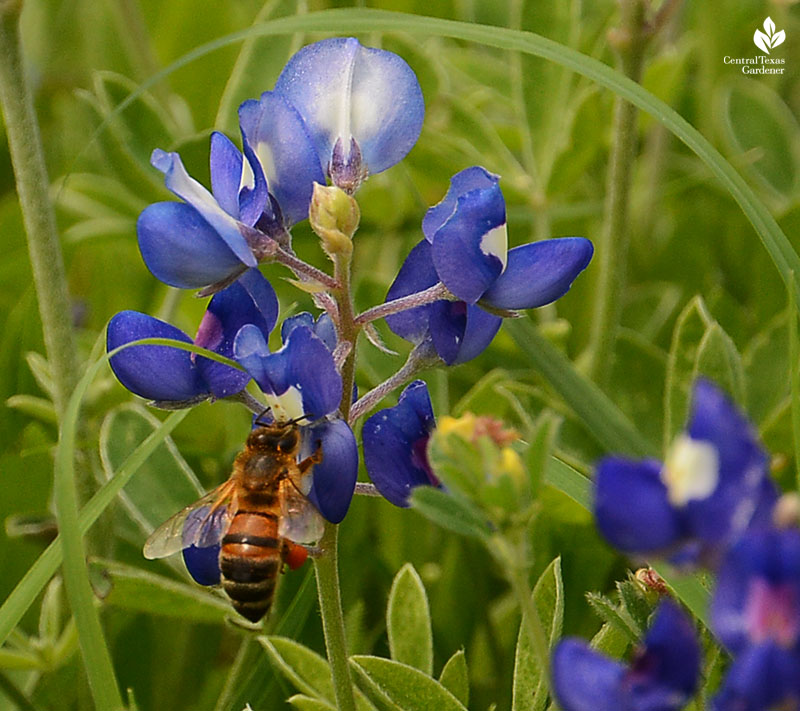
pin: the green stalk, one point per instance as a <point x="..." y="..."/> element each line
<point x="612" y="245"/>
<point x="330" y="607"/>
<point x="27" y="158"/>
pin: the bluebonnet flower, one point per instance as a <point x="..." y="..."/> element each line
<point x="300" y="381"/>
<point x="466" y="248"/>
<point x="256" y="197"/>
<point x="172" y="375"/>
<point x="395" y="445"/>
<point x="713" y="485"/>
<point x="363" y="107"/>
<point x="755" y="613"/>
<point x="661" y="677"/>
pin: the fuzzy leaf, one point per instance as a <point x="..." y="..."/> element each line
<point x="447" y="511"/>
<point x="408" y="621"/>
<point x="307" y="670"/>
<point x="307" y="703"/>
<point x="530" y="687"/>
<point x="612" y="615"/>
<point x="132" y="588"/>
<point x="455" y="677"/>
<point x="402" y="686"/>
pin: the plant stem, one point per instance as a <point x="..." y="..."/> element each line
<point x="27" y="158"/>
<point x="612" y="246"/>
<point x="428" y="296"/>
<point x="330" y="606"/>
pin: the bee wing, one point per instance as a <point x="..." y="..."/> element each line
<point x="201" y="524"/>
<point x="300" y="521"/>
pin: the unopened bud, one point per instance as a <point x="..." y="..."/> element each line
<point x="334" y="216"/>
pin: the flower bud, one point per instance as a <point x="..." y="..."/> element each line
<point x="334" y="216"/>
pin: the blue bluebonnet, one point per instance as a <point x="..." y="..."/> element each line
<point x="661" y="677"/>
<point x="172" y="375"/>
<point x="300" y="381"/>
<point x="363" y="107"/>
<point x="466" y="248"/>
<point x="713" y="485"/>
<point x="256" y="197"/>
<point x="755" y="613"/>
<point x="395" y="444"/>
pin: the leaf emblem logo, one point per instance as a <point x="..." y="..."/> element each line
<point x="769" y="39"/>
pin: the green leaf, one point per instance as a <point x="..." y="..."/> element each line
<point x="408" y="621"/>
<point x="447" y="511"/>
<point x="613" y="615"/>
<point x="758" y="123"/>
<point x="38" y="407"/>
<point x="165" y="483"/>
<point x="307" y="670"/>
<point x="602" y="418"/>
<point x="699" y="347"/>
<point x="402" y="686"/>
<point x="455" y="677"/>
<point x="569" y="481"/>
<point x="611" y="641"/>
<point x="537" y="453"/>
<point x="718" y="359"/>
<point x="307" y="703"/>
<point x="529" y="686"/>
<point x="131" y="588"/>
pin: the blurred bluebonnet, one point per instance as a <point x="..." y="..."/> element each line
<point x="173" y="375"/>
<point x="713" y="485"/>
<point x="300" y="381"/>
<point x="661" y="677"/>
<point x="755" y="613"/>
<point x="256" y="197"/>
<point x="363" y="107"/>
<point x="466" y="248"/>
<point x="395" y="444"/>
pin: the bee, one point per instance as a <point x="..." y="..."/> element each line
<point x="257" y="518"/>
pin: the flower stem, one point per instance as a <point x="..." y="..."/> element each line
<point x="27" y="158"/>
<point x="612" y="248"/>
<point x="428" y="296"/>
<point x="330" y="606"/>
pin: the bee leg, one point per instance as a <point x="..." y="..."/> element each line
<point x="311" y="460"/>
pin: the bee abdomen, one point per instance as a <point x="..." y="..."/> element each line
<point x="250" y="559"/>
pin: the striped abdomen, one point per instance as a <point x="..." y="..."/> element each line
<point x="249" y="561"/>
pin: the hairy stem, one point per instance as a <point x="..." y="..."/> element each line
<point x="27" y="158"/>
<point x="330" y="606"/>
<point x="612" y="246"/>
<point x="404" y="303"/>
<point x="422" y="357"/>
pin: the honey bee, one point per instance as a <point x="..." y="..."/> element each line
<point x="257" y="517"/>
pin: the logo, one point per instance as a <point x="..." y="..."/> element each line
<point x="763" y="63"/>
<point x="769" y="39"/>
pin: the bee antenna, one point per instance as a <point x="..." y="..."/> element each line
<point x="258" y="421"/>
<point x="296" y="420"/>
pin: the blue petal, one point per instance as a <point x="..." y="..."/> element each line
<point x="743" y="467"/>
<point x="322" y="327"/>
<point x="669" y="664"/>
<point x="225" y="162"/>
<point x="771" y="556"/>
<point x="631" y="506"/>
<point x="202" y="562"/>
<point x="335" y="476"/>
<point x="249" y="300"/>
<point x="763" y="676"/>
<point x="179" y="182"/>
<point x="181" y="249"/>
<point x="539" y="273"/>
<point x="395" y="440"/>
<point x="250" y="350"/>
<point x="343" y="90"/>
<point x="304" y="363"/>
<point x="276" y="134"/>
<point x="464" y="261"/>
<point x="153" y="372"/>
<point x="467" y="180"/>
<point x="461" y="331"/>
<point x="416" y="274"/>
<point x="585" y="680"/>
